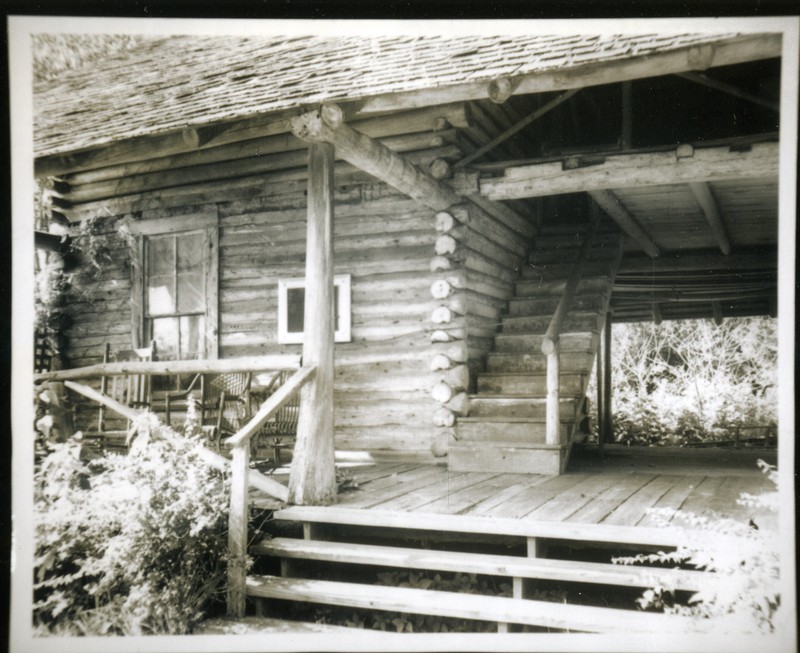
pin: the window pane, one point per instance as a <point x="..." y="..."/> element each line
<point x="191" y="297"/>
<point x="192" y="341"/>
<point x="161" y="255"/>
<point x="190" y="253"/>
<point x="295" y="304"/>
<point x="160" y="295"/>
<point x="165" y="333"/>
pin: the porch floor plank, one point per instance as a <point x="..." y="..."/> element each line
<point x="672" y="499"/>
<point x="603" y="504"/>
<point x="426" y="495"/>
<point x="569" y="501"/>
<point x="536" y="495"/>
<point x="393" y="486"/>
<point x="460" y="500"/>
<point x="631" y="510"/>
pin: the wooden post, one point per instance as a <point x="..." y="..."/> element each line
<point x="553" y="433"/>
<point x="606" y="428"/>
<point x="313" y="475"/>
<point x="237" y="531"/>
<point x="60" y="411"/>
<point x="601" y="404"/>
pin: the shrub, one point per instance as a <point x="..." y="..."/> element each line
<point x="744" y="596"/>
<point x="128" y="544"/>
<point x="690" y="381"/>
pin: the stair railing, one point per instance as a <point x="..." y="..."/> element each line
<point x="240" y="471"/>
<point x="551" y="345"/>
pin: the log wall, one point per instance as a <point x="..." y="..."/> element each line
<point x="473" y="270"/>
<point x="383" y="379"/>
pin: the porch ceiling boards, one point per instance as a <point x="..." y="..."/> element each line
<point x="619" y="491"/>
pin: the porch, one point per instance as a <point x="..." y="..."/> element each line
<point x="616" y="486"/>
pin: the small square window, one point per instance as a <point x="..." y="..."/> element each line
<point x="291" y="309"/>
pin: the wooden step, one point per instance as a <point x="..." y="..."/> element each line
<point x="527" y="385"/>
<point x="546" y="306"/>
<point x="519" y="407"/>
<point x="465" y="606"/>
<point x="670" y="537"/>
<point x="542" y="288"/>
<point x="505" y="430"/>
<point x="582" y="341"/>
<point x="575" y="362"/>
<point x="478" y="563"/>
<point x="508" y="458"/>
<point x="573" y="323"/>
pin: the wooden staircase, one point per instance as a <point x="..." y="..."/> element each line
<point x="506" y="427"/>
<point x="396" y="540"/>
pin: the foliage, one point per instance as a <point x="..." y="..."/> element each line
<point x="690" y="381"/>
<point x="128" y="544"/>
<point x="744" y="596"/>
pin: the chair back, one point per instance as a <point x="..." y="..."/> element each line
<point x="226" y="400"/>
<point x="133" y="390"/>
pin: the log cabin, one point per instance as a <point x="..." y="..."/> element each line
<point x="430" y="237"/>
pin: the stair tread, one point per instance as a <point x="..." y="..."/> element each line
<point x="460" y="605"/>
<point x="478" y="563"/>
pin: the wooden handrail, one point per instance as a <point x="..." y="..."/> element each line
<point x="240" y="474"/>
<point x="553" y="332"/>
<point x="223" y="366"/>
<point x="551" y="342"/>
<point x="272" y="405"/>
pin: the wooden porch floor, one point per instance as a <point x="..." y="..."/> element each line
<point x="617" y="489"/>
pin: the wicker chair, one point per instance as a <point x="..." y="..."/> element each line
<point x="279" y="433"/>
<point x="223" y="403"/>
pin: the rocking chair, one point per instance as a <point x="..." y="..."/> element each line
<point x="280" y="432"/>
<point x="132" y="390"/>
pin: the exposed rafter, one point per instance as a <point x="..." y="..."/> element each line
<point x="609" y="202"/>
<point x="730" y="89"/>
<point x="326" y="125"/>
<point x="508" y="133"/>
<point x="682" y="166"/>
<point x="705" y="198"/>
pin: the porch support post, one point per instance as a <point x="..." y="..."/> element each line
<point x="313" y="476"/>
<point x="604" y="380"/>
<point x="553" y="425"/>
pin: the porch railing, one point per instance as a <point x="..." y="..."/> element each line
<point x="241" y="475"/>
<point x="240" y="471"/>
<point x="551" y="342"/>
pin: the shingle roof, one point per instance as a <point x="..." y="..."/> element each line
<point x="173" y="82"/>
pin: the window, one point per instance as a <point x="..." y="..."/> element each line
<point x="291" y="309"/>
<point x="174" y="299"/>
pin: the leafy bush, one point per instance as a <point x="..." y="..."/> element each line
<point x="128" y="544"/>
<point x="691" y="381"/>
<point x="744" y="597"/>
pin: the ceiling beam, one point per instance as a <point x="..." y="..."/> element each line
<point x="610" y="203"/>
<point x="326" y="125"/>
<point x="730" y="89"/>
<point x="705" y="198"/>
<point x="680" y="166"/>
